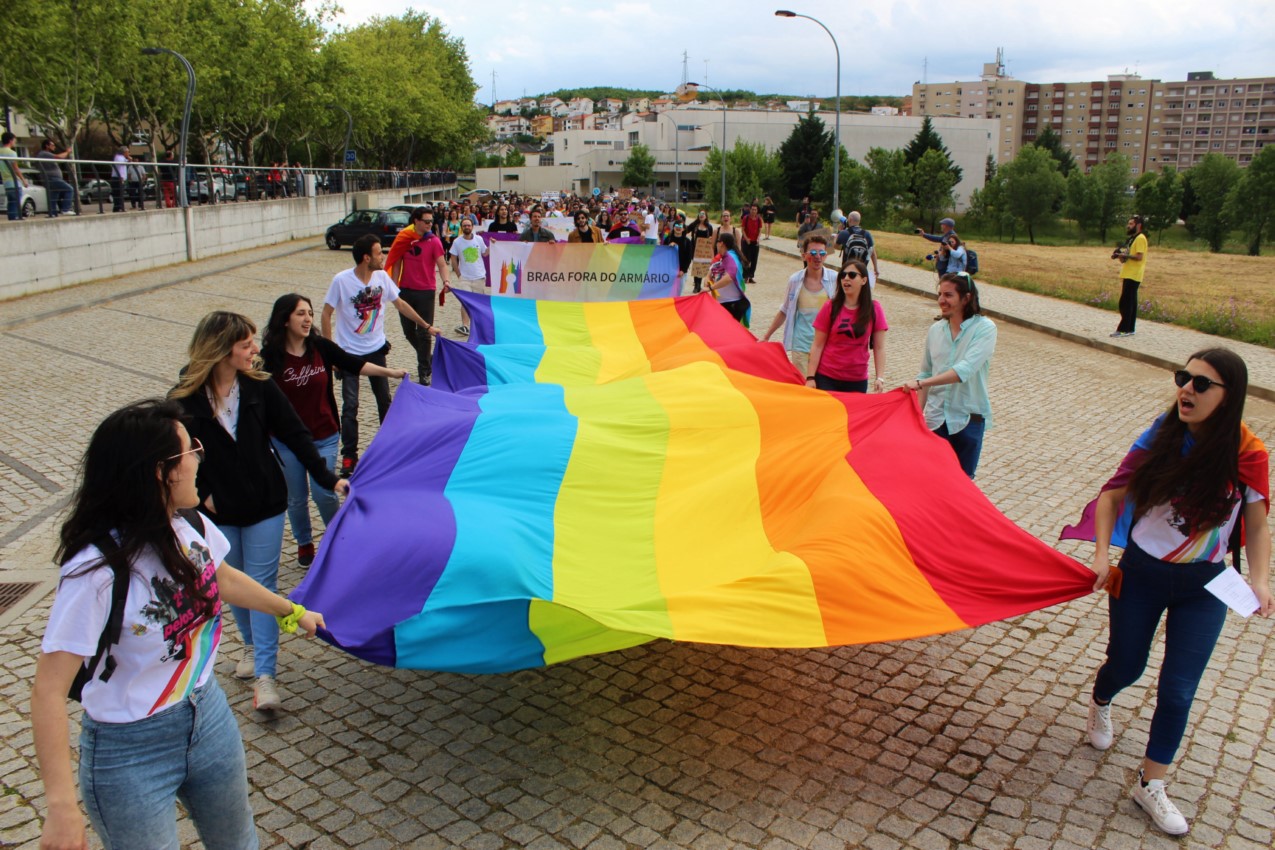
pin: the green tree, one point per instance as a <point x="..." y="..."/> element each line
<point x="639" y="168"/>
<point x="1211" y="181"/>
<point x="1111" y="182"/>
<point x="1081" y="203"/>
<point x="1158" y="198"/>
<point x="928" y="139"/>
<point x="802" y="154"/>
<point x="751" y="172"/>
<point x="1252" y="200"/>
<point x="1032" y="187"/>
<point x="989" y="209"/>
<point x="886" y="183"/>
<point x="852" y="181"/>
<point x="1050" y="141"/>
<point x="933" y="181"/>
<point x="514" y="158"/>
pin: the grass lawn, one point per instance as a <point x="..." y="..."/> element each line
<point x="1224" y="294"/>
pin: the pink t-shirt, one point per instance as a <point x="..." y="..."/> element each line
<point x="845" y="356"/>
<point x="420" y="263"/>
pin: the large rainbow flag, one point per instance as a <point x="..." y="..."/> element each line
<point x="584" y="477"/>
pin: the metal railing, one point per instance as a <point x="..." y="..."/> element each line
<point x="96" y="183"/>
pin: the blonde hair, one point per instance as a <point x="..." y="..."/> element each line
<point x="215" y="336"/>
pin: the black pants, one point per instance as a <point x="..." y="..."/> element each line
<point x="823" y="382"/>
<point x="1128" y="306"/>
<point x="350" y="401"/>
<point x="422" y="301"/>
<point x="117" y="195"/>
<point x="751" y="251"/>
<point x="738" y="309"/>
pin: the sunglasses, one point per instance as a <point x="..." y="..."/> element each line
<point x="817" y="253"/>
<point x="850" y="275"/>
<point x="1199" y="383"/>
<point x="196" y="448"/>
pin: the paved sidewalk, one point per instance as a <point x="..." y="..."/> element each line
<point x="1158" y="344"/>
<point x="973" y="739"/>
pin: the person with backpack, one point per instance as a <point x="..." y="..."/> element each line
<point x="849" y="330"/>
<point x="138" y="563"/>
<point x="856" y="243"/>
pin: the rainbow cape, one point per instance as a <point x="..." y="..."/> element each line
<point x="584" y="477"/>
<point x="1254" y="472"/>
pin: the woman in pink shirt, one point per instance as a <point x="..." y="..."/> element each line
<point x="845" y="336"/>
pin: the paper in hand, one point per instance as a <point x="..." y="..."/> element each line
<point x="1232" y="589"/>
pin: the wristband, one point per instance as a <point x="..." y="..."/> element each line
<point x="288" y="623"/>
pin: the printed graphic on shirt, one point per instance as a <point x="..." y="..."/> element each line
<point x="367" y="304"/>
<point x="301" y="377"/>
<point x="190" y="635"/>
<point x="470" y="254"/>
<point x="1208" y="544"/>
<point x="845" y="324"/>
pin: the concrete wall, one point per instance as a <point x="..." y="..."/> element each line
<point x="39" y="255"/>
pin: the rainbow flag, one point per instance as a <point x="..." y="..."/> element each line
<point x="584" y="477"/>
<point x="562" y="271"/>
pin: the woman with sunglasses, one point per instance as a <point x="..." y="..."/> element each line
<point x="1174" y="503"/>
<point x="848" y="329"/>
<point x="808" y="291"/>
<point x="157" y="727"/>
<point x="304" y="365"/>
<point x="234" y="409"/>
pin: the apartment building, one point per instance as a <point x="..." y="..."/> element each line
<point x="1154" y="123"/>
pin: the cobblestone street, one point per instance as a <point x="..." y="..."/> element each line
<point x="974" y="739"/>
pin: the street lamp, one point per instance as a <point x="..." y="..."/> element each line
<point x="190" y="97"/>
<point x="716" y="92"/>
<point x="836" y="151"/>
<point x="349" y="134"/>
<point x="677" y="164"/>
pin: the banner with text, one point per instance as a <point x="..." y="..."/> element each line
<point x="583" y="272"/>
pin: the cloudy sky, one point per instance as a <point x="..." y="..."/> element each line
<point x="537" y="46"/>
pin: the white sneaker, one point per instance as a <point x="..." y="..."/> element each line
<point x="1099" y="726"/>
<point x="244" y="669"/>
<point x="265" y="696"/>
<point x="1156" y="803"/>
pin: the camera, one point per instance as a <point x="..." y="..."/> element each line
<point x="1119" y="253"/>
<point x="929" y="257"/>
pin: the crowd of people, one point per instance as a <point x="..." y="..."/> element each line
<point x="181" y="502"/>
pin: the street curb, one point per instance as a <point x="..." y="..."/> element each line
<point x="1254" y="390"/>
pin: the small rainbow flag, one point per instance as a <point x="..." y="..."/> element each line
<point x="564" y="271"/>
<point x="585" y="477"/>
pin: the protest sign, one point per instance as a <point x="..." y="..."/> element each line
<point x="583" y="272"/>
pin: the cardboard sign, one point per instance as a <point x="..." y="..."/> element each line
<point x="703" y="258"/>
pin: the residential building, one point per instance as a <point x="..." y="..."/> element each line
<point x="506" y="107"/>
<point x="1203" y="115"/>
<point x="612" y="104"/>
<point x="580" y="105"/>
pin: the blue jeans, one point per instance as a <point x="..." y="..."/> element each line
<point x="1151" y="588"/>
<point x="131" y="775"/>
<point x="60" y="194"/>
<point x="967" y="443"/>
<point x="255" y="550"/>
<point x="11" y="197"/>
<point x="299" y="490"/>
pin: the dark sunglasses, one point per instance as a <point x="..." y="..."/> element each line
<point x="851" y="275"/>
<point x="817" y="253"/>
<point x="1199" y="383"/>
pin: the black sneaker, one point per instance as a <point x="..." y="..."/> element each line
<point x="347" y="466"/>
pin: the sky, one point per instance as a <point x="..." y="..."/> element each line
<point x="537" y="47"/>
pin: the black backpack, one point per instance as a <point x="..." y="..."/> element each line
<point x="115" y="620"/>
<point x="856" y="247"/>
<point x="971" y="261"/>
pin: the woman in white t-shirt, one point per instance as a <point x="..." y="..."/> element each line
<point x="1173" y="504"/>
<point x="156" y="725"/>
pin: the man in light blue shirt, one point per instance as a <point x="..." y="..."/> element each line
<point x="953" y="379"/>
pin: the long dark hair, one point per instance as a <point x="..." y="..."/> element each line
<point x="1203" y="484"/>
<point x="274" y="339"/>
<point x="120" y="491"/>
<point x="864" y="313"/>
<point x="964" y="284"/>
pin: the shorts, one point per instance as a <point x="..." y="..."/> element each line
<point x="473" y="284"/>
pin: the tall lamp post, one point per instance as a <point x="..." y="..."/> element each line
<point x="677" y="160"/>
<point x="349" y="135"/>
<point x="836" y="151"/>
<point x="190" y="98"/>
<point x="719" y="95"/>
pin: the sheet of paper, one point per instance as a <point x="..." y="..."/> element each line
<point x="1232" y="589"/>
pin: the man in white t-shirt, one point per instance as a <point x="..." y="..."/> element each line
<point x="650" y="226"/>
<point x="467" y="263"/>
<point x="357" y="298"/>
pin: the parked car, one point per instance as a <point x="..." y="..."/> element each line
<point x="384" y="223"/>
<point x="222" y="188"/>
<point x="93" y="191"/>
<point x="34" y="199"/>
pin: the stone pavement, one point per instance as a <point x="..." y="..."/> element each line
<point x="974" y="739"/>
<point x="1156" y="343"/>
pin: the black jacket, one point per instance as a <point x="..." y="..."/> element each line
<point x="243" y="474"/>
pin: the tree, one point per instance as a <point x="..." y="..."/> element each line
<point x="1032" y="186"/>
<point x="1211" y="181"/>
<point x="639" y="168"/>
<point x="1081" y="203"/>
<point x="514" y="158"/>
<point x="1111" y="184"/>
<point x="1158" y="198"/>
<point x="989" y="208"/>
<point x="927" y="139"/>
<point x="852" y="180"/>
<point x="751" y="171"/>
<point x="887" y="182"/>
<point x="1050" y="141"/>
<point x="802" y="154"/>
<point x="1252" y="200"/>
<point x="933" y="181"/>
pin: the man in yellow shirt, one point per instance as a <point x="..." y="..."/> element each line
<point x="1133" y="264"/>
